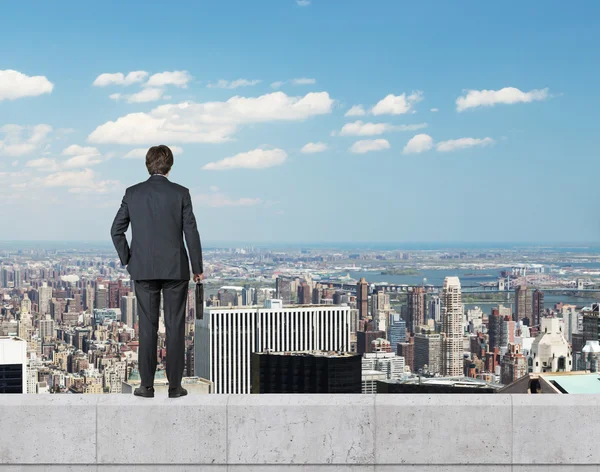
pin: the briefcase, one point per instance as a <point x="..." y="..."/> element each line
<point x="199" y="300"/>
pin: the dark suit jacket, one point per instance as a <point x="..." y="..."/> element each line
<point x="160" y="213"/>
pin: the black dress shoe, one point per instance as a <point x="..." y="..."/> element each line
<point x="146" y="392"/>
<point x="177" y="392"/>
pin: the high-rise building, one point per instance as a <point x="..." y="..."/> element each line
<point x="304" y="294"/>
<point x="550" y="351"/>
<point x="13" y="365"/>
<point x="306" y="372"/>
<point x="538" y="307"/>
<point x="226" y="337"/>
<point x="523" y="304"/>
<point x="387" y="362"/>
<point x="513" y="365"/>
<point x="416" y="309"/>
<point x="45" y="295"/>
<point x="88" y="298"/>
<point x="46" y="328"/>
<point x="101" y="297"/>
<point x="113" y="294"/>
<point x="452" y="328"/>
<point x="362" y="298"/>
<point x="495" y="329"/>
<point x="428" y="352"/>
<point x="17" y="277"/>
<point x="5" y="277"/>
<point x="435" y="309"/>
<point x="364" y="340"/>
<point x="397" y="331"/>
<point x="129" y="310"/>
<point x="508" y="333"/>
<point x="407" y="350"/>
<point x="283" y="289"/>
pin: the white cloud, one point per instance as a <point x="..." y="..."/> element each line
<point x="368" y="145"/>
<point x="179" y="78"/>
<point x="434" y="110"/>
<point x="277" y="84"/>
<point x="418" y="143"/>
<point x="43" y="164"/>
<point x="217" y="199"/>
<point x="463" y="143"/>
<point x="118" y="78"/>
<point x="304" y="81"/>
<point x="143" y="96"/>
<point x="397" y="104"/>
<point x="507" y="95"/>
<point x="303" y="3"/>
<point x="14" y="84"/>
<point x="20" y="140"/>
<point x="233" y="84"/>
<point x="359" y="128"/>
<point x="356" y="110"/>
<point x="255" y="159"/>
<point x="140" y="153"/>
<point x="311" y="148"/>
<point x="210" y="122"/>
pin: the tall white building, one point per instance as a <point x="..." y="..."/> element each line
<point x="46" y="328"/>
<point x="226" y="337"/>
<point x="129" y="309"/>
<point x="550" y="351"/>
<point x="387" y="362"/>
<point x="45" y="297"/>
<point x="452" y="328"/>
<point x="13" y="365"/>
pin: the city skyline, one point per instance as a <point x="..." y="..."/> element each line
<point x="292" y="119"/>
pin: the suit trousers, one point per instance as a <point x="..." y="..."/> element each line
<point x="174" y="300"/>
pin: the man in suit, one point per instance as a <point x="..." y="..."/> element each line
<point x="160" y="213"/>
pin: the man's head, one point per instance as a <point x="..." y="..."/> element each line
<point x="159" y="160"/>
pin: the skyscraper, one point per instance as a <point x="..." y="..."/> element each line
<point x="416" y="309"/>
<point x="538" y="307"/>
<point x="397" y="331"/>
<point x="101" y="297"/>
<point x="428" y="352"/>
<point x="225" y="338"/>
<point x="45" y="297"/>
<point x="18" y="278"/>
<point x="523" y="304"/>
<point x="129" y="310"/>
<point x="452" y="328"/>
<point x="435" y="309"/>
<point x="304" y="294"/>
<point x="380" y="309"/>
<point x="362" y="298"/>
<point x="13" y="365"/>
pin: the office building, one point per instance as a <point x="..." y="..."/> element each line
<point x="397" y="330"/>
<point x="416" y="309"/>
<point x="495" y="329"/>
<point x="362" y="298"/>
<point x="435" y="309"/>
<point x="45" y="295"/>
<point x="129" y="310"/>
<point x="364" y="340"/>
<point x="370" y="379"/>
<point x="304" y="294"/>
<point x="387" y="362"/>
<point x="13" y="365"/>
<point x="538" y="307"/>
<point x="306" y="372"/>
<point x="452" y="328"/>
<point x="407" y="350"/>
<point x="523" y="304"/>
<point x="226" y="337"/>
<point x="284" y="289"/>
<point x="101" y="297"/>
<point x="46" y="327"/>
<point x="428" y="353"/>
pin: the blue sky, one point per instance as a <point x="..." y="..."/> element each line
<point x="478" y="121"/>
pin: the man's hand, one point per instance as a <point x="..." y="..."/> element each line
<point x="198" y="277"/>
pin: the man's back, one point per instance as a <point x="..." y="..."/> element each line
<point x="160" y="213"/>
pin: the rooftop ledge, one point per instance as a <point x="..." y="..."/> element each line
<point x="316" y="433"/>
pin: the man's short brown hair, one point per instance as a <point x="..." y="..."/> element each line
<point x="159" y="160"/>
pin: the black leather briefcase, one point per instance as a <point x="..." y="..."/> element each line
<point x="199" y="300"/>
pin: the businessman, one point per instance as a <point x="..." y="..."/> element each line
<point x="160" y="213"/>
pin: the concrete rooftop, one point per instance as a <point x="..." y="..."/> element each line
<point x="317" y="433"/>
